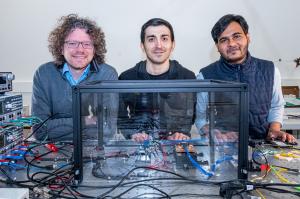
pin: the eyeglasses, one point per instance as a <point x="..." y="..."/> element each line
<point x="75" y="44"/>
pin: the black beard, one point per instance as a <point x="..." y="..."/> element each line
<point x="156" y="62"/>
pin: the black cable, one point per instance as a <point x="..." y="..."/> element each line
<point x="239" y="193"/>
<point x="277" y="190"/>
<point x="30" y="164"/>
<point x="266" y="186"/>
<point x="12" y="181"/>
<point x="49" y="181"/>
<point x="98" y="172"/>
<point x="45" y="177"/>
<point x="147" y="194"/>
<point x="266" y="160"/>
<point x="65" y="154"/>
<point x="258" y="163"/>
<point x="289" y="169"/>
<point x="58" y="195"/>
<point x="245" y="182"/>
<point x="190" y="181"/>
<point x="81" y="194"/>
<point x="263" y="186"/>
<point x="40" y="156"/>
<point x="185" y="195"/>
<point x="150" y="168"/>
<point x="133" y="182"/>
<point x="280" y="184"/>
<point x="120" y="182"/>
<point x="46" y="180"/>
<point x="38" y="182"/>
<point x="138" y="185"/>
<point x="6" y="174"/>
<point x="159" y="179"/>
<point x="57" y="171"/>
<point x="39" y="126"/>
<point x="59" y="177"/>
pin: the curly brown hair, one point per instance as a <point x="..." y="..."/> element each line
<point x="67" y="24"/>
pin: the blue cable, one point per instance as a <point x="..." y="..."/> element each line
<point x="183" y="141"/>
<point x="219" y="161"/>
<point x="12" y="165"/>
<point x="198" y="166"/>
<point x="13" y="157"/>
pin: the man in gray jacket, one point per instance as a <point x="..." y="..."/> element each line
<point x="78" y="47"/>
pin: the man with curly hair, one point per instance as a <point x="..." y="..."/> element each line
<point x="78" y="48"/>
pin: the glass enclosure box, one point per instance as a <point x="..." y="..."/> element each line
<point x="145" y="129"/>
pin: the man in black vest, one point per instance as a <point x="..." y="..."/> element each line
<point x="162" y="115"/>
<point x="266" y="103"/>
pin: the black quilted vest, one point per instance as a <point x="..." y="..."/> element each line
<point x="259" y="75"/>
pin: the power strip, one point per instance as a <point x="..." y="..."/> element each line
<point x="14" y="193"/>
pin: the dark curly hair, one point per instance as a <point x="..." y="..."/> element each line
<point x="224" y="22"/>
<point x="67" y="24"/>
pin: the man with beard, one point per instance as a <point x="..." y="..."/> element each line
<point x="266" y="104"/>
<point x="168" y="114"/>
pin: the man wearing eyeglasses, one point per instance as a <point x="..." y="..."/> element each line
<point x="78" y="47"/>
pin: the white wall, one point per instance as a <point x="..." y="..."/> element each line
<point x="25" y="25"/>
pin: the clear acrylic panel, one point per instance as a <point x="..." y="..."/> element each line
<point x="210" y="124"/>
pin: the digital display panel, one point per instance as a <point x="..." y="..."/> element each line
<point x="3" y="79"/>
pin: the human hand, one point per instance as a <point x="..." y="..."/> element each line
<point x="90" y="120"/>
<point x="140" y="137"/>
<point x="178" y="136"/>
<point x="229" y="136"/>
<point x="281" y="135"/>
<point x="218" y="135"/>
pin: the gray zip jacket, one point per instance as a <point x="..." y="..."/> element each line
<point x="52" y="98"/>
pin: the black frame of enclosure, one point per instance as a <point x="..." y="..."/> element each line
<point x="125" y="86"/>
